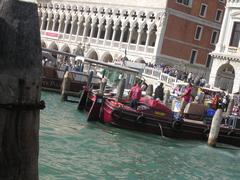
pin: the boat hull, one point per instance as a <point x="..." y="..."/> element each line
<point x="118" y="116"/>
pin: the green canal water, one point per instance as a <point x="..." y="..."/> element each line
<point x="71" y="148"/>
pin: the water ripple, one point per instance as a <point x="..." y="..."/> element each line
<point x="71" y="148"/>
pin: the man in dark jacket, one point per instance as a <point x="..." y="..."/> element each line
<point x="159" y="92"/>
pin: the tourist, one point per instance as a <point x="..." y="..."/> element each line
<point x="185" y="98"/>
<point x="135" y="94"/>
<point x="159" y="92"/>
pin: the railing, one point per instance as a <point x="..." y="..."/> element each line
<point x="108" y="42"/>
<point x="159" y="75"/>
<point x="150" y="49"/>
<point x="78" y="76"/>
<point x="141" y="48"/>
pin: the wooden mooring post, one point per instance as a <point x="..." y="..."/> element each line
<point x="20" y="67"/>
<point x="215" y="128"/>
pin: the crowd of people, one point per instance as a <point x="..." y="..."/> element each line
<point x="189" y="77"/>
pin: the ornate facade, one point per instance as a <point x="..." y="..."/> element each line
<point x="145" y="30"/>
<point x="225" y="72"/>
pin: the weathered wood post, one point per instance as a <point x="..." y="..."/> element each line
<point x="20" y="84"/>
<point x="120" y="89"/>
<point x="149" y="90"/>
<point x="90" y="77"/>
<point x="66" y="86"/>
<point x="103" y="85"/>
<point x="230" y="107"/>
<point x="215" y="127"/>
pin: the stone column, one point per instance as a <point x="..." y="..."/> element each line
<point x="121" y="37"/>
<point x="106" y="33"/>
<point x="78" y="29"/>
<point x="219" y="45"/>
<point x="130" y="36"/>
<point x="43" y="21"/>
<point x="160" y="34"/>
<point x="92" y="30"/>
<point x="213" y="73"/>
<point x="99" y="32"/>
<point x="85" y="29"/>
<point x="147" y="41"/>
<point x="54" y="24"/>
<point x="60" y="24"/>
<point x="48" y="22"/>
<point x="70" y="36"/>
<point x="236" y="80"/>
<point x="65" y="27"/>
<point x="139" y="38"/>
<point x="113" y="36"/>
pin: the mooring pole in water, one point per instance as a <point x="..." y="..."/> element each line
<point x="94" y="112"/>
<point x="20" y="84"/>
<point x="215" y="127"/>
<point x="90" y="78"/>
<point x="166" y="97"/>
<point x="120" y="89"/>
<point x="230" y="107"/>
<point x="149" y="90"/>
<point x="65" y="86"/>
<point x="103" y="85"/>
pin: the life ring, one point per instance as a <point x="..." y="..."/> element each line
<point x="176" y="124"/>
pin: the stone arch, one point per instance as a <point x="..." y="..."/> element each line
<point x="225" y="77"/>
<point x="43" y="44"/>
<point x="92" y="54"/>
<point x="140" y="60"/>
<point x="107" y="57"/>
<point x="53" y="46"/>
<point x="65" y="48"/>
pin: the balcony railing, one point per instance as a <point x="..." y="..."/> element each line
<point x="159" y="75"/>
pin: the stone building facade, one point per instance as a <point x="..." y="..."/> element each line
<point x="225" y="72"/>
<point x="176" y="32"/>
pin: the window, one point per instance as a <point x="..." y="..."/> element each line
<point x="218" y="16"/>
<point x="185" y="2"/>
<point x="203" y="10"/>
<point x="209" y="60"/>
<point x="235" y="35"/>
<point x="214" y="37"/>
<point x="193" y="57"/>
<point x="198" y="33"/>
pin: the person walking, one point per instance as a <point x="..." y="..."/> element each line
<point x="185" y="98"/>
<point x="159" y="92"/>
<point x="135" y="95"/>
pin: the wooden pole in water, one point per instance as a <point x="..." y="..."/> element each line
<point x="230" y="107"/>
<point x="103" y="85"/>
<point x="149" y="90"/>
<point x="120" y="89"/>
<point x="166" y="97"/>
<point x="215" y="127"/>
<point x="65" y="86"/>
<point x="20" y="66"/>
<point x="90" y="77"/>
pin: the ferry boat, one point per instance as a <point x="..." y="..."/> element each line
<point x="151" y="116"/>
